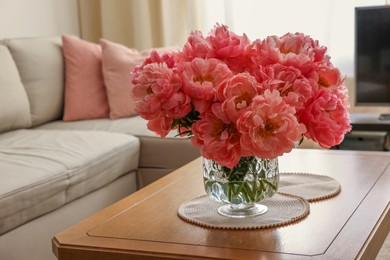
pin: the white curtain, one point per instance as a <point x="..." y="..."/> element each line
<point x="139" y="24"/>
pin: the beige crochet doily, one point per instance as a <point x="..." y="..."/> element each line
<point x="312" y="187"/>
<point x="282" y="209"/>
<point x="287" y="206"/>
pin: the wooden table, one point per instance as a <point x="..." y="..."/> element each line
<point x="145" y="225"/>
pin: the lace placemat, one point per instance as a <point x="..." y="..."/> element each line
<point x="283" y="209"/>
<point x="312" y="187"/>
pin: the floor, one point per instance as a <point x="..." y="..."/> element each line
<point x="384" y="253"/>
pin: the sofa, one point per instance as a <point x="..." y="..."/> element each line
<point x="57" y="169"/>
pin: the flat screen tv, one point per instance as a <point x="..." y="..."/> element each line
<point x="372" y="55"/>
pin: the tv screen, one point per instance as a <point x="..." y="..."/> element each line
<point x="372" y="60"/>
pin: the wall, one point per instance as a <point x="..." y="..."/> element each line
<point x="30" y="18"/>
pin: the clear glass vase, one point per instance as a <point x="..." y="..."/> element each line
<point x="241" y="188"/>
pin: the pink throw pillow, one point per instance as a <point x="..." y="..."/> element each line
<point x="85" y="93"/>
<point x="118" y="62"/>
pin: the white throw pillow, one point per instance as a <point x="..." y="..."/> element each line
<point x="41" y="68"/>
<point x="14" y="105"/>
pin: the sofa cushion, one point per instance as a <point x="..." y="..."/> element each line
<point x="14" y="105"/>
<point x="158" y="153"/>
<point x="42" y="170"/>
<point x="85" y="93"/>
<point x="40" y="64"/>
<point x="118" y="61"/>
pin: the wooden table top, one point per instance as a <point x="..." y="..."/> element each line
<point x="145" y="225"/>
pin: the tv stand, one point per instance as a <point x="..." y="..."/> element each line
<point x="370" y="122"/>
<point x="370" y="132"/>
<point x="384" y="117"/>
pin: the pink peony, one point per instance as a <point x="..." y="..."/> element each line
<point x="299" y="43"/>
<point x="297" y="50"/>
<point x="196" y="47"/>
<point x="154" y="85"/>
<point x="342" y="92"/>
<point x="267" y="52"/>
<point x="294" y="88"/>
<point x="201" y="78"/>
<point x="158" y="89"/>
<point x="234" y="50"/>
<point x="177" y="105"/>
<point x="269" y="128"/>
<point x="160" y="125"/>
<point x="302" y="52"/>
<point x="326" y="118"/>
<point x="237" y="93"/>
<point x="217" y="137"/>
<point x="154" y="57"/>
<point x="329" y="76"/>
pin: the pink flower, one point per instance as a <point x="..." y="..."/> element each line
<point x="154" y="57"/>
<point x="161" y="99"/>
<point x="160" y="125"/>
<point x="297" y="50"/>
<point x="196" y="47"/>
<point x="237" y="93"/>
<point x="234" y="50"/>
<point x="154" y="85"/>
<point x="342" y="92"/>
<point x="299" y="43"/>
<point x="201" y="78"/>
<point x="294" y="88"/>
<point x="269" y="128"/>
<point x="267" y="51"/>
<point x="177" y="105"/>
<point x="329" y="76"/>
<point x="217" y="137"/>
<point x="302" y="52"/>
<point x="326" y="118"/>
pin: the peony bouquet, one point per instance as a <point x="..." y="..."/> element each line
<point x="237" y="98"/>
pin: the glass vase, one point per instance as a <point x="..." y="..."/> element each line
<point x="242" y="187"/>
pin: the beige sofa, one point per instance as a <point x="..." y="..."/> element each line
<point x="55" y="173"/>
